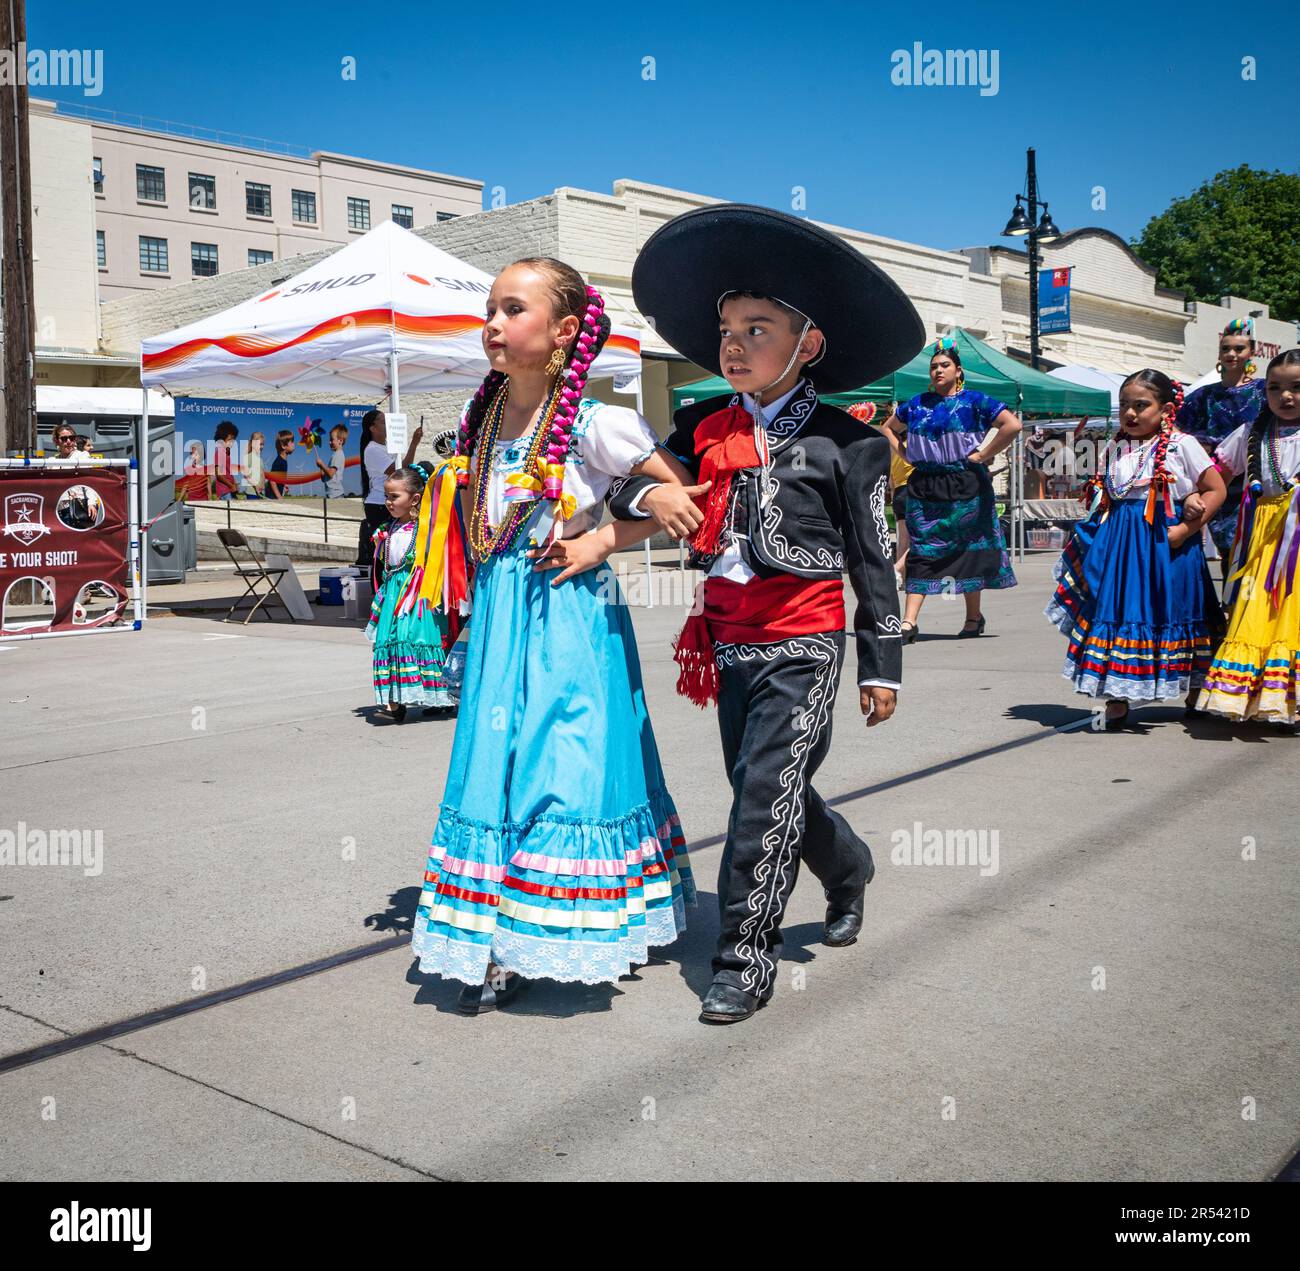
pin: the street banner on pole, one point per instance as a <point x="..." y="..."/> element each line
<point x="1054" y="300"/>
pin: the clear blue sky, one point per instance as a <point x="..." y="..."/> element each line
<point x="748" y="99"/>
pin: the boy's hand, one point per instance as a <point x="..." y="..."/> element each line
<point x="571" y="555"/>
<point x="673" y="510"/>
<point x="877" y="703"/>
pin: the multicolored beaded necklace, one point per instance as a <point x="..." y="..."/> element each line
<point x="484" y="539"/>
<point x="1274" y="461"/>
<point x="1119" y="492"/>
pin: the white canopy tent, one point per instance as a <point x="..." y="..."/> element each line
<point x="385" y="309"/>
<point x="1210" y="377"/>
<point x="389" y="305"/>
<point x="1091" y="377"/>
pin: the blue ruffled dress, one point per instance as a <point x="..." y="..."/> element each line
<point x="558" y="851"/>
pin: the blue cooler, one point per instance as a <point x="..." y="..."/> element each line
<point x="331" y="584"/>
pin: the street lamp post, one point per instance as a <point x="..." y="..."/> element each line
<point x="1038" y="231"/>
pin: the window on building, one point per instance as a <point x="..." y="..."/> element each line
<point x="257" y="198"/>
<point x="257" y="256"/>
<point x="150" y="183"/>
<point x="203" y="260"/>
<point x="203" y="191"/>
<point x="304" y="207"/>
<point x="403" y="216"/>
<point x="97" y="167"/>
<point x="358" y="213"/>
<point x="153" y="255"/>
<point x="447" y="216"/>
<point x="101" y="254"/>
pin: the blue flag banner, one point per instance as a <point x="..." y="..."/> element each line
<point x="1054" y="300"/>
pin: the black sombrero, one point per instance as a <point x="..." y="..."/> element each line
<point x="686" y="265"/>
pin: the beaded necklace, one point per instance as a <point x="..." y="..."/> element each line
<point x="484" y="539"/>
<point x="1118" y="492"/>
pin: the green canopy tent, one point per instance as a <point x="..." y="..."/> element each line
<point x="1028" y="392"/>
<point x="1031" y="394"/>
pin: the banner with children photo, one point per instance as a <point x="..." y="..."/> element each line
<point x="267" y="450"/>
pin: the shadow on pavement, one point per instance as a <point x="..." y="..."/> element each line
<point x="377" y="717"/>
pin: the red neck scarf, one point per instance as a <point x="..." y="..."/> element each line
<point x="725" y="443"/>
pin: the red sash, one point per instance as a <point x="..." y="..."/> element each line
<point x="761" y="611"/>
<point x="725" y="443"/>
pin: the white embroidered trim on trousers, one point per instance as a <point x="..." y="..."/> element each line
<point x="788" y="807"/>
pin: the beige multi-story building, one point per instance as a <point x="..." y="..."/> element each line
<point x="120" y="210"/>
<point x="170" y="207"/>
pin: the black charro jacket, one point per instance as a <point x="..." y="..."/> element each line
<point x="826" y="518"/>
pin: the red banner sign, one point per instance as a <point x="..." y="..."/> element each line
<point x="64" y="547"/>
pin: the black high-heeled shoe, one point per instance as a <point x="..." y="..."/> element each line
<point x="1119" y="723"/>
<point x="478" y="999"/>
<point x="964" y="634"/>
<point x="910" y="632"/>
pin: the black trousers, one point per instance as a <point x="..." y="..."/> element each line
<point x="775" y="703"/>
<point x="375" y="515"/>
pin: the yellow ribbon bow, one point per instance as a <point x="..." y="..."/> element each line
<point x="565" y="506"/>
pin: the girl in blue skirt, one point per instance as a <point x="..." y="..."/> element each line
<point x="409" y="636"/>
<point x="1134" y="594"/>
<point x="558" y="851"/>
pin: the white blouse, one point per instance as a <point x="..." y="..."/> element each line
<point x="398" y="544"/>
<point x="1185" y="460"/>
<point x="1234" y="450"/>
<point x="606" y="443"/>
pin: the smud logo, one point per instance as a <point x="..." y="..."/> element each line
<point x="24" y="517"/>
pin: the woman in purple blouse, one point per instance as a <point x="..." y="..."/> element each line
<point x="957" y="544"/>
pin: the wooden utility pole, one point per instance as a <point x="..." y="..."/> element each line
<point x="19" y="426"/>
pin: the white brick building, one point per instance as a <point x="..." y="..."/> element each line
<point x="1121" y="319"/>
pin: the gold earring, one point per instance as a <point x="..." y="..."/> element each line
<point x="556" y="364"/>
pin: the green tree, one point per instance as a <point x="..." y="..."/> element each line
<point x="1238" y="235"/>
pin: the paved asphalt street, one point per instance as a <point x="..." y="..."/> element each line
<point x="1113" y="995"/>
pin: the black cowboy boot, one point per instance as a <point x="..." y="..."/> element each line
<point x="844" y="920"/>
<point x="726" y="1004"/>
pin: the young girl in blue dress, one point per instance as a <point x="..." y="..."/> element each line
<point x="409" y="634"/>
<point x="955" y="541"/>
<point x="558" y="851"/>
<point x="1133" y="588"/>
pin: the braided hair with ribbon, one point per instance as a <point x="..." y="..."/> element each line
<point x="1262" y="454"/>
<point x="570" y="297"/>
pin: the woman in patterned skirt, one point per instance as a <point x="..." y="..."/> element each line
<point x="956" y="542"/>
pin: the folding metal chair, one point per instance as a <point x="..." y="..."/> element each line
<point x="251" y="574"/>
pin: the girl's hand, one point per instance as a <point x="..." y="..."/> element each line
<point x="1193" y="507"/>
<point x="1179" y="534"/>
<point x="571" y="555"/>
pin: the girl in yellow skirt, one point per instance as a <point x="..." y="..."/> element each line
<point x="1253" y="675"/>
